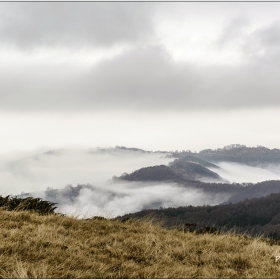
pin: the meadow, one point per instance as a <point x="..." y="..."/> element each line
<point x="56" y="246"/>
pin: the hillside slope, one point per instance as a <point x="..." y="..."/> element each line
<point x="176" y="171"/>
<point x="153" y="173"/>
<point x="256" y="191"/>
<point x="255" y="216"/>
<point x="193" y="170"/>
<point x="52" y="246"/>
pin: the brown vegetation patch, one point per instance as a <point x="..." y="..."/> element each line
<point x="52" y="246"/>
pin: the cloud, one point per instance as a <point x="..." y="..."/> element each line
<point x="80" y="181"/>
<point x="51" y="175"/>
<point x="262" y="46"/>
<point x="240" y="173"/>
<point x="140" y="79"/>
<point x="149" y="79"/>
<point x="257" y="44"/>
<point x="232" y="31"/>
<point x="143" y="77"/>
<point x="87" y="24"/>
<point x="39" y="170"/>
<point x="113" y="199"/>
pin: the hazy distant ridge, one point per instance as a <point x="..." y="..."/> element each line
<point x="252" y="156"/>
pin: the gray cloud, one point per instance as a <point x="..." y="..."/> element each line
<point x="270" y="36"/>
<point x="262" y="46"/>
<point x="141" y="79"/>
<point x="232" y="31"/>
<point x="72" y="24"/>
<point x="145" y="77"/>
<point x="150" y="79"/>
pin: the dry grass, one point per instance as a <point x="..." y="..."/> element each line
<point x="34" y="246"/>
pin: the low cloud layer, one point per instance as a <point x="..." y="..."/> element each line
<point x="58" y="168"/>
<point x="240" y="173"/>
<point x="113" y="199"/>
<point x="80" y="181"/>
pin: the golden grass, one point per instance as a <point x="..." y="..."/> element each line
<point x="34" y="246"/>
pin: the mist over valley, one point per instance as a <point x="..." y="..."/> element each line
<point x="116" y="181"/>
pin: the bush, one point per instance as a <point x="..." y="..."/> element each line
<point x="30" y="203"/>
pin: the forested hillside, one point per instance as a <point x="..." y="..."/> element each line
<point x="256" y="190"/>
<point x="181" y="169"/>
<point x="255" y="216"/>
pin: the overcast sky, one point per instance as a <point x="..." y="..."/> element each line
<point x="158" y="76"/>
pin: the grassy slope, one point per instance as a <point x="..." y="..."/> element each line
<point x="63" y="247"/>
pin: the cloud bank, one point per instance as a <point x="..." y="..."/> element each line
<point x="80" y="181"/>
<point x="29" y="26"/>
<point x="114" y="199"/>
<point x="55" y="169"/>
<point x="144" y="73"/>
<point x="240" y="173"/>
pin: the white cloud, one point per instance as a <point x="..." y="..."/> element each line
<point x="240" y="173"/>
<point x="37" y="171"/>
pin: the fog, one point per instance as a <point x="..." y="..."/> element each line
<point x="81" y="180"/>
<point x="240" y="173"/>
<point x="121" y="198"/>
<point x="40" y="169"/>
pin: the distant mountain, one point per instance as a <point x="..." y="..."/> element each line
<point x="193" y="170"/>
<point x="242" y="154"/>
<point x="183" y="173"/>
<point x="153" y="173"/>
<point x="182" y="169"/>
<point x="131" y="149"/>
<point x="189" y="174"/>
<point x="196" y="159"/>
<point x="127" y="149"/>
<point x="256" y="216"/>
<point x="254" y="156"/>
<point x="190" y="170"/>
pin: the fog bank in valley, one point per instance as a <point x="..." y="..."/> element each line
<point x="81" y="180"/>
<point x="119" y="198"/>
<point x="240" y="173"/>
<point x="38" y="170"/>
